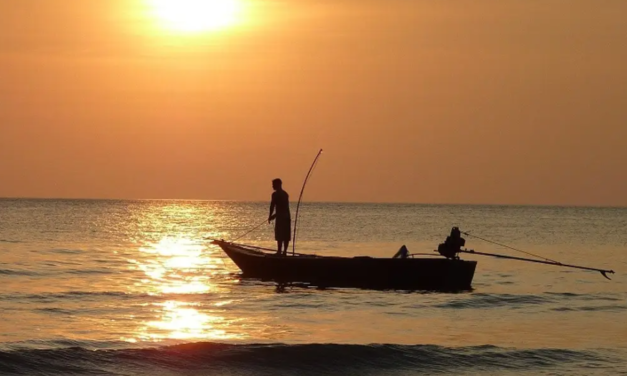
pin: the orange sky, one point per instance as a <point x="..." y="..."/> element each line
<point x="503" y="101"/>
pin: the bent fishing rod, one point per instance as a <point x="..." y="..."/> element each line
<point x="313" y="165"/>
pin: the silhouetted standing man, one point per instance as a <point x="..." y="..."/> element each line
<point x="283" y="224"/>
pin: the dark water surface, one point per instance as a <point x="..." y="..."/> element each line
<point x="133" y="288"/>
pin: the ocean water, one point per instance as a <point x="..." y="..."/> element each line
<point x="95" y="287"/>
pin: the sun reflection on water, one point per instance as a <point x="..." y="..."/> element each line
<point x="177" y="265"/>
<point x="180" y="320"/>
<point x="176" y="268"/>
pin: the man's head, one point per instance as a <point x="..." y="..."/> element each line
<point x="277" y="184"/>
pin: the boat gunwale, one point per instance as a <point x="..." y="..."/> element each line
<point x="256" y="251"/>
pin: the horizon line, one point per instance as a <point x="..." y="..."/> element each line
<point x="311" y="202"/>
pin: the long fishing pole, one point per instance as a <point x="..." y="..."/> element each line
<point x="556" y="263"/>
<point x="300" y="197"/>
<point x="507" y="246"/>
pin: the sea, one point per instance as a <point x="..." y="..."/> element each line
<point x="135" y="287"/>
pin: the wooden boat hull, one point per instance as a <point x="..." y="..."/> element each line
<point x="359" y="272"/>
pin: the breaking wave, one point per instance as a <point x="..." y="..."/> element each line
<point x="307" y="359"/>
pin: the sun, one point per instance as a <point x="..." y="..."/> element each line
<point x="196" y="15"/>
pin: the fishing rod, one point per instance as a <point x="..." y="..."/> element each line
<point x="242" y="235"/>
<point x="251" y="230"/>
<point x="300" y="197"/>
<point x="456" y="241"/>
<point x="507" y="246"/>
<point x="556" y="263"/>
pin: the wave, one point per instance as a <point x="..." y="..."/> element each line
<point x="88" y="271"/>
<point x="17" y="272"/>
<point x="53" y="270"/>
<point x="10" y="241"/>
<point x="482" y="300"/>
<point x="72" y="296"/>
<point x="597" y="296"/>
<point x="606" y="308"/>
<point x="516" y="301"/>
<point x="306" y="359"/>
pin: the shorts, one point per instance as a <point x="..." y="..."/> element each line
<point x="283" y="229"/>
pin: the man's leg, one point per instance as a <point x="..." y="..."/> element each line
<point x="278" y="247"/>
<point x="286" y="246"/>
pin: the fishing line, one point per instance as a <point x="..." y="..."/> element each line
<point x="507" y="246"/>
<point x="251" y="230"/>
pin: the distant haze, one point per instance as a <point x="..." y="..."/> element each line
<point x="502" y="102"/>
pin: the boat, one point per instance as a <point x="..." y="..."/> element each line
<point x="403" y="271"/>
<point x="444" y="272"/>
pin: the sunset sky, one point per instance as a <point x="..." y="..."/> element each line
<point x="499" y="102"/>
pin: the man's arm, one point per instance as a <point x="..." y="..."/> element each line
<point x="272" y="206"/>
